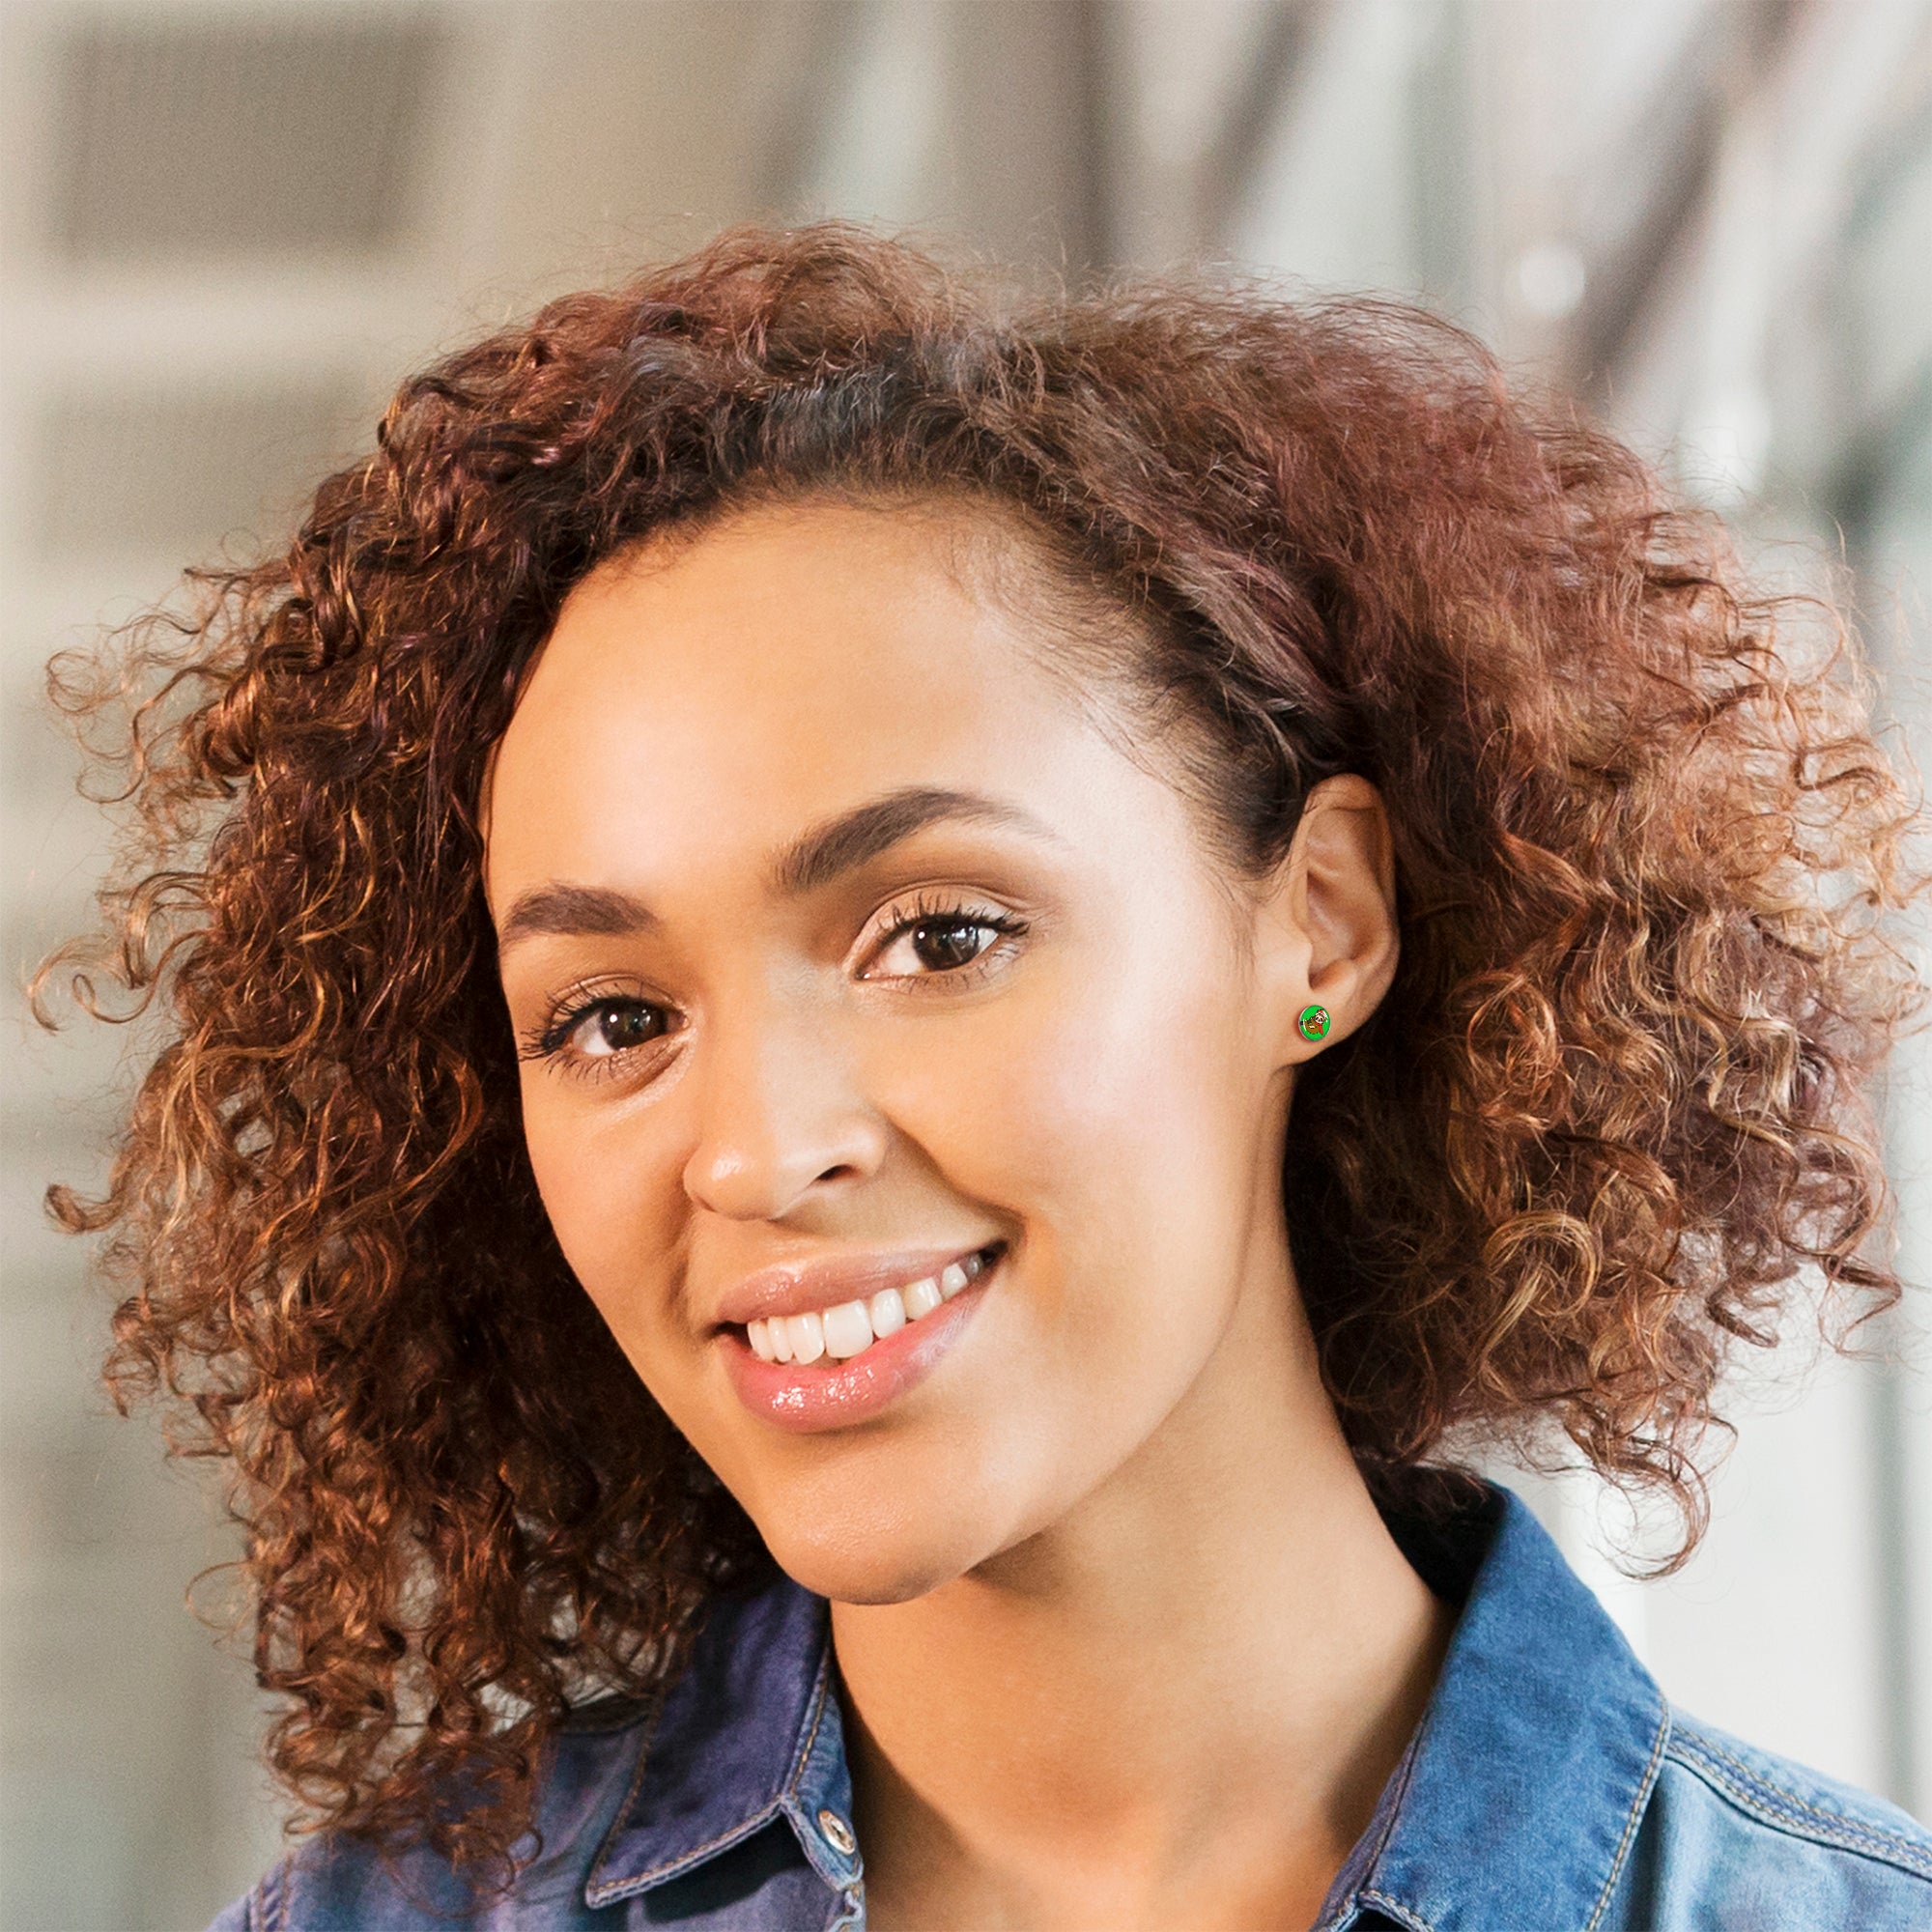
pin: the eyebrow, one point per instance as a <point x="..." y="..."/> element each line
<point x="809" y="863"/>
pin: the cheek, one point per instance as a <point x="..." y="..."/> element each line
<point x="1110" y="1115"/>
<point x="608" y="1207"/>
<point x="1112" y="1125"/>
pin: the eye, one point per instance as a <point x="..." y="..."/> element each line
<point x="586" y="1032"/>
<point x="922" y="942"/>
<point x="615" y="1026"/>
<point x="941" y="945"/>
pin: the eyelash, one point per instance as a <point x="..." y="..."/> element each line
<point x="902" y="918"/>
<point x="549" y="1038"/>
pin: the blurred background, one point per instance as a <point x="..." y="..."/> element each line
<point x="227" y="229"/>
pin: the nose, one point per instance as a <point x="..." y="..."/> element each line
<point x="779" y="1115"/>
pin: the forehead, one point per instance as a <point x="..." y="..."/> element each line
<point x="783" y="661"/>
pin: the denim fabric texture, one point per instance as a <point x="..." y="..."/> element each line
<point x="1549" y="1788"/>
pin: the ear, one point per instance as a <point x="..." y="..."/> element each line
<point x="1328" y="929"/>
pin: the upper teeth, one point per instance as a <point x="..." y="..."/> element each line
<point x="853" y="1325"/>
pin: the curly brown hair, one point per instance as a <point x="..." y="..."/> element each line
<point x="1610" y="1109"/>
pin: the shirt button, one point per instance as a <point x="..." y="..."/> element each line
<point x="837" y="1834"/>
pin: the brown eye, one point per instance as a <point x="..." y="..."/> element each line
<point x="615" y="1026"/>
<point x="940" y="945"/>
<point x="930" y="942"/>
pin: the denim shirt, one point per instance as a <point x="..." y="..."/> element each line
<point x="1549" y="1788"/>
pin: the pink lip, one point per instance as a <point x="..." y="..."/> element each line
<point x="814" y="1286"/>
<point x="805" y="1399"/>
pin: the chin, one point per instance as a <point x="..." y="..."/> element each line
<point x="862" y="1558"/>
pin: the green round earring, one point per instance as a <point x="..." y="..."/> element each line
<point x="1313" y="1022"/>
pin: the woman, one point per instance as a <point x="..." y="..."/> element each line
<point x="893" y="1016"/>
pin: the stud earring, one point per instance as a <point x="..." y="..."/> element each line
<point x="1313" y="1023"/>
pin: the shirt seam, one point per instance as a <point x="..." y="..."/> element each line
<point x="643" y="1881"/>
<point x="268" y="1909"/>
<point x="1393" y="1908"/>
<point x="1404" y="1777"/>
<point x="803" y="1756"/>
<point x="1657" y="1746"/>
<point x="1786" y="1811"/>
<point x="649" y="1730"/>
<point x="822" y="1694"/>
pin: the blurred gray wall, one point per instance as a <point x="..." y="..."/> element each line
<point x="228" y="228"/>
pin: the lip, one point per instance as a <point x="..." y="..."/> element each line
<point x="811" y="1288"/>
<point x="805" y="1399"/>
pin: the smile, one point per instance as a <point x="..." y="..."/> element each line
<point x="849" y="1361"/>
<point x="852" y="1327"/>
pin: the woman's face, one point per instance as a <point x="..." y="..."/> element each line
<point x="851" y="962"/>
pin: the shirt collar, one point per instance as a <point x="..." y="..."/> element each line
<point x="1519" y="1797"/>
<point x="750" y="1733"/>
<point x="1516" y="1803"/>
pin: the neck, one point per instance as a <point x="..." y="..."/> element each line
<point x="1177" y="1705"/>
